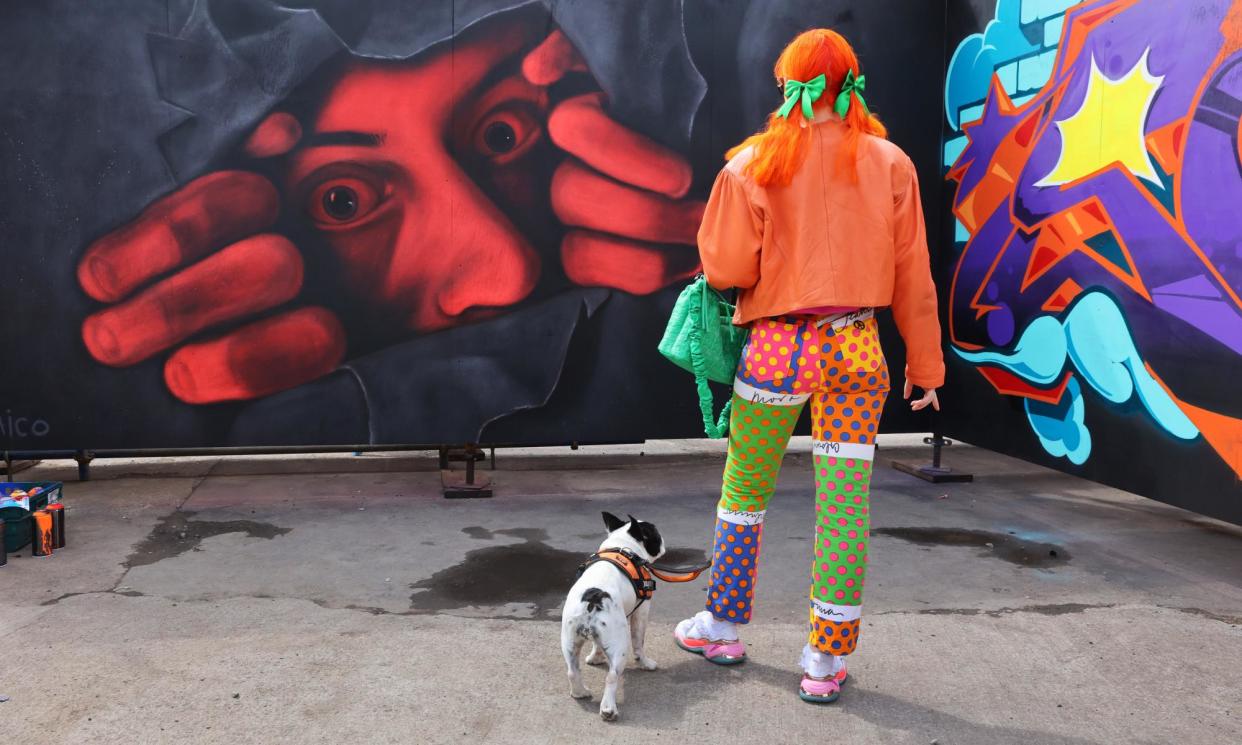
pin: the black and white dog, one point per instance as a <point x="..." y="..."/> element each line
<point x="599" y="606"/>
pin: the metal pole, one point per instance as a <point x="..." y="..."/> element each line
<point x="83" y="457"/>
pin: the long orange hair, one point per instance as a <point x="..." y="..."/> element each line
<point x="782" y="146"/>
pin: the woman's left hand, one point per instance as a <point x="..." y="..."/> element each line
<point x="929" y="397"/>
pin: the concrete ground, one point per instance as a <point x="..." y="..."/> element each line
<point x="340" y="599"/>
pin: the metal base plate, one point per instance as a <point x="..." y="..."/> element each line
<point x="931" y="473"/>
<point x="455" y="486"/>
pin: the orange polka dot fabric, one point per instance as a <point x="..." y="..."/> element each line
<point x="837" y="365"/>
<point x="835" y="637"/>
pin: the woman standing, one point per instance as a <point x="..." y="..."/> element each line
<point x="817" y="221"/>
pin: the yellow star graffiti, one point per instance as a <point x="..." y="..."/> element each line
<point x="1108" y="128"/>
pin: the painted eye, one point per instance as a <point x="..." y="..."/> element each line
<point x="341" y="201"/>
<point x="500" y="137"/>
<point x="506" y="133"/>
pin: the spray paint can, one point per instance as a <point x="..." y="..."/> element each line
<point x="4" y="551"/>
<point x="41" y="533"/>
<point x="58" y="524"/>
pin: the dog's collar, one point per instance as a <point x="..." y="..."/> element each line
<point x="641" y="573"/>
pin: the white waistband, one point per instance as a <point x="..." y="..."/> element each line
<point x="751" y="394"/>
<point x="845" y="319"/>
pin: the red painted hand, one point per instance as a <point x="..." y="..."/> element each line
<point x="620" y="194"/>
<point x="198" y="260"/>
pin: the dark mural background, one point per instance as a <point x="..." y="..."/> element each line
<point x="237" y="222"/>
<point x="1093" y="265"/>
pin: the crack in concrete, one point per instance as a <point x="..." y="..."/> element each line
<point x="1050" y="609"/>
<point x="1208" y="525"/>
<point x="1058" y="609"/>
<point x="1047" y="609"/>
<point x="114" y="591"/>
<point x="1231" y="620"/>
<point x="368" y="609"/>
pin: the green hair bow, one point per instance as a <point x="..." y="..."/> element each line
<point x="851" y="85"/>
<point x="808" y="92"/>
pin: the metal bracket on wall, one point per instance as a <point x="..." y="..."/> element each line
<point x="934" y="472"/>
<point x="469" y="484"/>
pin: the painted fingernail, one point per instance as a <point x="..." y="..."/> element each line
<point x="276" y="135"/>
<point x="179" y="378"/>
<point x="100" y="340"/>
<point x="98" y="279"/>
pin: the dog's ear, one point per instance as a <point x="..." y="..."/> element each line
<point x="647" y="535"/>
<point x="612" y="522"/>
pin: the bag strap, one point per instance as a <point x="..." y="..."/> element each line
<point x="713" y="429"/>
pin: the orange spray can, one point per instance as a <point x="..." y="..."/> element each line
<point x="41" y="533"/>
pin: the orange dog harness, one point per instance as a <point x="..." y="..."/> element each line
<point x="641" y="573"/>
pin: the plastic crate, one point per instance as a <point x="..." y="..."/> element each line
<point x="17" y="528"/>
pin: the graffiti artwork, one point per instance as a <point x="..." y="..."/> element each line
<point x="1094" y="149"/>
<point x="251" y="222"/>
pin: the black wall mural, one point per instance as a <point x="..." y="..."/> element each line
<point x="241" y="222"/>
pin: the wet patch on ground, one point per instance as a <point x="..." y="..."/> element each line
<point x="177" y="533"/>
<point x="1006" y="547"/>
<point x="531" y="574"/>
<point x="530" y="535"/>
<point x="683" y="557"/>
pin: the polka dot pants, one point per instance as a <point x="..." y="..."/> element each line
<point x="836" y="364"/>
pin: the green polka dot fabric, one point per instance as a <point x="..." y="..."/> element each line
<point x="836" y="364"/>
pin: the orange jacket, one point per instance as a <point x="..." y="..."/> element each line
<point x="826" y="241"/>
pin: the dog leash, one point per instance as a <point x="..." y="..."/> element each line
<point x="678" y="574"/>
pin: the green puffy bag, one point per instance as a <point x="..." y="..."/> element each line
<point x="701" y="339"/>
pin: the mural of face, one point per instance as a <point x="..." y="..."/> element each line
<point x="384" y="173"/>
<point x="447" y="188"/>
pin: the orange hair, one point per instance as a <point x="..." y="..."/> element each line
<point x="781" y="147"/>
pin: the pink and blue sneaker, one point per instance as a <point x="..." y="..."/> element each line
<point x="716" y="640"/>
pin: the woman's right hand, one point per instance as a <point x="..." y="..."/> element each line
<point x="929" y="398"/>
